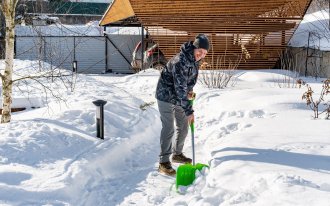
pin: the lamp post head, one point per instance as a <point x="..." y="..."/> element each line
<point x="99" y="103"/>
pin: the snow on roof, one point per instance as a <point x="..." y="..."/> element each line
<point x="314" y="26"/>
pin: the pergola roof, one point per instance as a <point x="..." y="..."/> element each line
<point x="258" y="30"/>
<point x="118" y="11"/>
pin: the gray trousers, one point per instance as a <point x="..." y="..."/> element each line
<point x="170" y="114"/>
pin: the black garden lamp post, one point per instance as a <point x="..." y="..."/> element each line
<point x="74" y="66"/>
<point x="99" y="118"/>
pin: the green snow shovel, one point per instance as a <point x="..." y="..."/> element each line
<point x="185" y="174"/>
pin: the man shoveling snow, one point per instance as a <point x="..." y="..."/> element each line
<point x="174" y="90"/>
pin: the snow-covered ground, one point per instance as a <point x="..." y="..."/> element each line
<point x="261" y="143"/>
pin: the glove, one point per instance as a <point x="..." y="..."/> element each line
<point x="191" y="97"/>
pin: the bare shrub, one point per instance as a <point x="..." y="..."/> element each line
<point x="220" y="76"/>
<point x="290" y="66"/>
<point x="315" y="104"/>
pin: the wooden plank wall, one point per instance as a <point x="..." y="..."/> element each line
<point x="255" y="31"/>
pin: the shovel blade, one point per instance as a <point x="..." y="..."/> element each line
<point x="185" y="174"/>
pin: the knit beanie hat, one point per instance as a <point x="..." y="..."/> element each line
<point x="201" y="41"/>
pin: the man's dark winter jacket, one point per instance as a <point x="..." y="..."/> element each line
<point x="178" y="78"/>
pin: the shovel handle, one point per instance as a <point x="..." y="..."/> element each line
<point x="192" y="127"/>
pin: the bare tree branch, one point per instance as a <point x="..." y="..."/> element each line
<point x="39" y="76"/>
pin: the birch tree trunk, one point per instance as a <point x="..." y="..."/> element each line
<point x="8" y="8"/>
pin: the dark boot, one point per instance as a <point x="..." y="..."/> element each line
<point x="180" y="158"/>
<point x="166" y="168"/>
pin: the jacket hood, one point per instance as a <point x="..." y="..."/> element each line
<point x="187" y="49"/>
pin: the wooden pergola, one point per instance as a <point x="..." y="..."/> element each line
<point x="254" y="31"/>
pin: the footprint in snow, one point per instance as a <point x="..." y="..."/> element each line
<point x="256" y="114"/>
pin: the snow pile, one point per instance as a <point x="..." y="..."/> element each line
<point x="260" y="141"/>
<point x="270" y="75"/>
